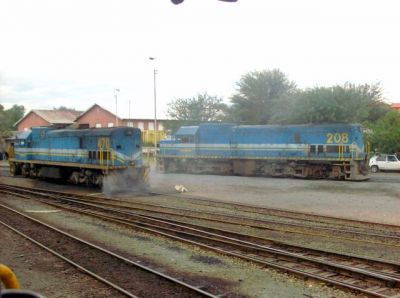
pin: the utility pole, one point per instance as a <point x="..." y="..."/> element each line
<point x="116" y="106"/>
<point x="155" y="108"/>
<point x="129" y="117"/>
<point x="155" y="115"/>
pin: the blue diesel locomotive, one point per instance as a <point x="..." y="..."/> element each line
<point x="306" y="151"/>
<point x="82" y="156"/>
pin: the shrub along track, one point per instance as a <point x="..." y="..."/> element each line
<point x="373" y="277"/>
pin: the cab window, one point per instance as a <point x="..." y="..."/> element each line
<point x="187" y="139"/>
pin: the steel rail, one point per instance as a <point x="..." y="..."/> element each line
<point x="253" y="246"/>
<point x="388" y="240"/>
<point x="322" y="228"/>
<point x="165" y="207"/>
<point x="255" y="222"/>
<point x="386" y="279"/>
<point x="196" y="290"/>
<point x="278" y="211"/>
<point x="244" y="207"/>
<point x="74" y="264"/>
<point x="238" y="219"/>
<point x="222" y="235"/>
<point x="251" y="208"/>
<point x="264" y="239"/>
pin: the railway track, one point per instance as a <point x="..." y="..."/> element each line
<point x="325" y="220"/>
<point x="128" y="277"/>
<point x="312" y="225"/>
<point x="372" y="277"/>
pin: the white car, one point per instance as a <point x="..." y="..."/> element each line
<point x="384" y="162"/>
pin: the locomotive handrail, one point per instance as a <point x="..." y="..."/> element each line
<point x="104" y="146"/>
<point x="341" y="151"/>
<point x="355" y="151"/>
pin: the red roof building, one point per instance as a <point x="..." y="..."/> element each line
<point x="59" y="118"/>
<point x="94" y="117"/>
<point x="395" y="106"/>
<point x="97" y="117"/>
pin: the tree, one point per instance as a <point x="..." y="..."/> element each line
<point x="195" y="110"/>
<point x="9" y="117"/>
<point x="384" y="135"/>
<point x="3" y="120"/>
<point x="349" y="103"/>
<point x="63" y="108"/>
<point x="257" y="94"/>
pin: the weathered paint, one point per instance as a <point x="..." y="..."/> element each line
<point x="291" y="142"/>
<point x="106" y="148"/>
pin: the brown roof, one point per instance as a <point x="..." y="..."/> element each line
<point x="395" y="105"/>
<point x="144" y="119"/>
<point x="91" y="108"/>
<point x="58" y="116"/>
<point x="54" y="116"/>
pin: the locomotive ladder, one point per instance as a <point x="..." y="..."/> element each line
<point x="345" y="165"/>
<point x="105" y="148"/>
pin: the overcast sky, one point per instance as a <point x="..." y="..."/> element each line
<point x="75" y="53"/>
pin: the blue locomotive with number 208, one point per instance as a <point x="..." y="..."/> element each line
<point x="306" y="151"/>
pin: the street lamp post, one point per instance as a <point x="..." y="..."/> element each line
<point x="129" y="111"/>
<point x="155" y="109"/>
<point x="116" y="106"/>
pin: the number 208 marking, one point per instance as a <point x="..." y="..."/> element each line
<point x="337" y="137"/>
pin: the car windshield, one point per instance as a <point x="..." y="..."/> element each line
<point x="200" y="148"/>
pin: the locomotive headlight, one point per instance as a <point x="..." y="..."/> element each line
<point x="132" y="163"/>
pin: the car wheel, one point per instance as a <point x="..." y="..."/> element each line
<point x="374" y="169"/>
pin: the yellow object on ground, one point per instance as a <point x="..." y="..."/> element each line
<point x="8" y="277"/>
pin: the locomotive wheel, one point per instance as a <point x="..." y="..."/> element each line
<point x="25" y="171"/>
<point x="374" y="169"/>
<point x="74" y="177"/>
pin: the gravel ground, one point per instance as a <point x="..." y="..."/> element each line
<point x="349" y="244"/>
<point x="376" y="200"/>
<point x="40" y="271"/>
<point x="243" y="278"/>
<point x="129" y="277"/>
